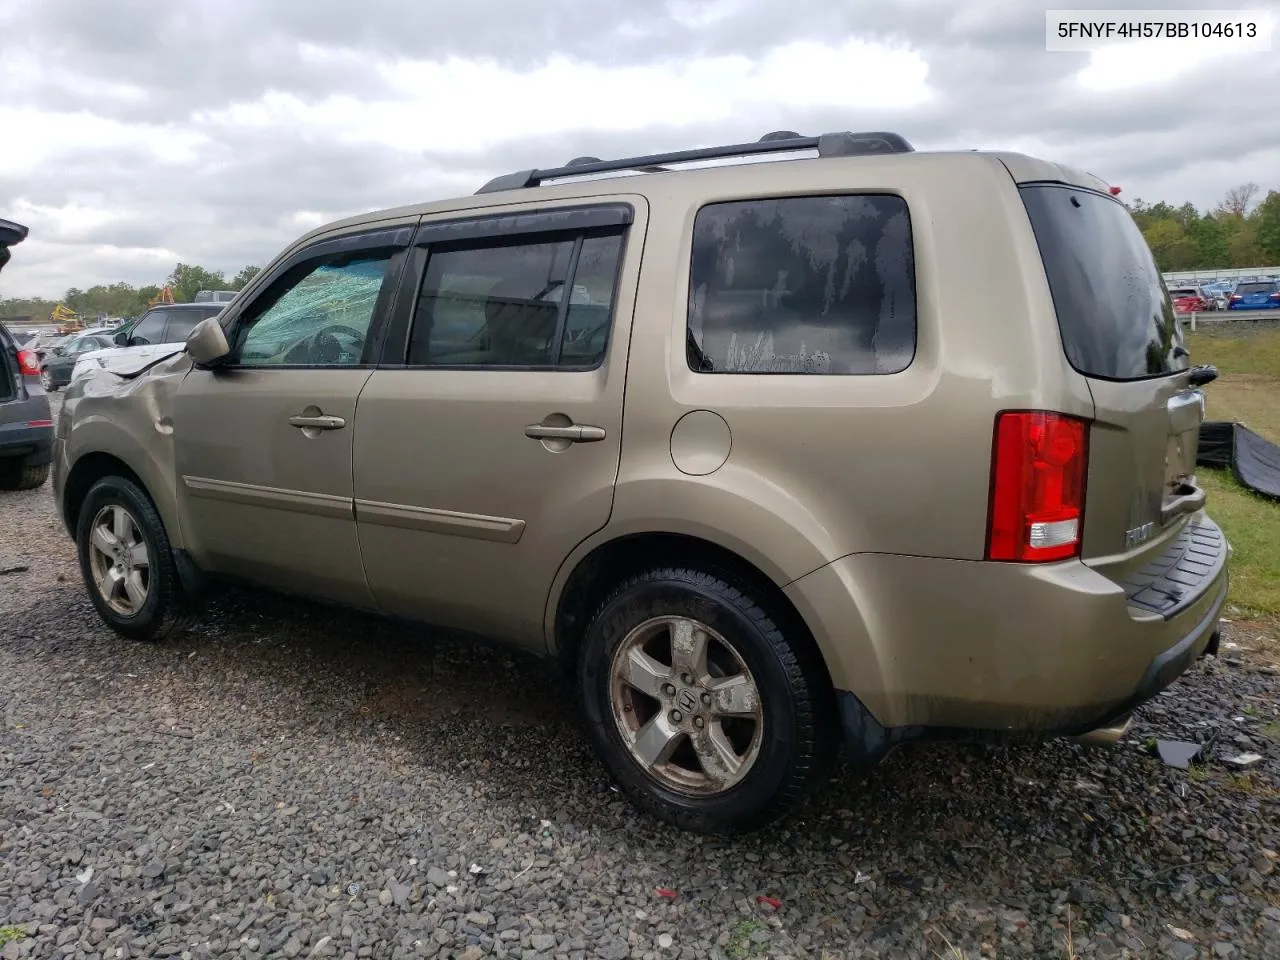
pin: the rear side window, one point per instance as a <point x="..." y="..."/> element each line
<point x="182" y="322"/>
<point x="150" y="328"/>
<point x="809" y="285"/>
<point x="1114" y="314"/>
<point x="501" y="302"/>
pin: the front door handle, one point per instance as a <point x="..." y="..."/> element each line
<point x="317" y="423"/>
<point x="574" y="433"/>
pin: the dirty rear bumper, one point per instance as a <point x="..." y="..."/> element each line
<point x="867" y="741"/>
<point x="922" y="647"/>
<point x="33" y="444"/>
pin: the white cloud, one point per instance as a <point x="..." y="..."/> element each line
<point x="468" y="104"/>
<point x="216" y="131"/>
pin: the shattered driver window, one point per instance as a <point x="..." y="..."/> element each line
<point x="816" y="285"/>
<point x="321" y="319"/>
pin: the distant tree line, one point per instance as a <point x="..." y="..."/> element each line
<point x="1237" y="233"/>
<point x="125" y="300"/>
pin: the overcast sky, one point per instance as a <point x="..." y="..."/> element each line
<point x="137" y="133"/>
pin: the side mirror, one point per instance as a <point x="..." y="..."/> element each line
<point x="121" y="339"/>
<point x="207" y="343"/>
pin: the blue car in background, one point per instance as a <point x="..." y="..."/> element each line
<point x="1255" y="295"/>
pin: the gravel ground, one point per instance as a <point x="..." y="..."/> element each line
<point x="293" y="781"/>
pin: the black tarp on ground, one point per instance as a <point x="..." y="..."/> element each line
<point x="1254" y="460"/>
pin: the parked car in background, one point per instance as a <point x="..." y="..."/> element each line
<point x="1189" y="300"/>
<point x="57" y="364"/>
<point x="159" y="331"/>
<point x="26" y="423"/>
<point x="214" y="296"/>
<point x="42" y="341"/>
<point x="1256" y="295"/>
<point x="764" y="483"/>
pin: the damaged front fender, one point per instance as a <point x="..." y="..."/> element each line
<point x="108" y="420"/>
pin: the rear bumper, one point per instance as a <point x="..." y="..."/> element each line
<point x="34" y="445"/>
<point x="920" y="646"/>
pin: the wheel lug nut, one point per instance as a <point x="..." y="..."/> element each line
<point x="676" y="716"/>
<point x="706" y="699"/>
<point x="686" y="680"/>
<point x="699" y="722"/>
<point x="669" y="689"/>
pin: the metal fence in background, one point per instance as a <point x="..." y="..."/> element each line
<point x="1176" y="277"/>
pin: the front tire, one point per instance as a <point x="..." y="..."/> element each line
<point x="127" y="563"/>
<point x="707" y="712"/>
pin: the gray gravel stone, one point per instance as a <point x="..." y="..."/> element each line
<point x="329" y="752"/>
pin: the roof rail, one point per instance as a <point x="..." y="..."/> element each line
<point x="845" y="144"/>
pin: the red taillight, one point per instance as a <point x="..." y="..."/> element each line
<point x="39" y="423"/>
<point x="1037" y="487"/>
<point x="28" y="363"/>
<point x="1115" y="191"/>
<point x="1275" y="296"/>
<point x="1236" y="297"/>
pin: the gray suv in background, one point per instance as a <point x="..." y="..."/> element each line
<point x="26" y="424"/>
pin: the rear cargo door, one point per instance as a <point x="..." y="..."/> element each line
<point x="1120" y="332"/>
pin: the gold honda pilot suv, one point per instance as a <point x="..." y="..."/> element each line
<point x="857" y="446"/>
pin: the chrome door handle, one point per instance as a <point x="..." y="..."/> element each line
<point x="318" y="423"/>
<point x="574" y="433"/>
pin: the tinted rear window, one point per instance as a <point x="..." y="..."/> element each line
<point x="1114" y="314"/>
<point x="182" y="322"/>
<point x="1256" y="288"/>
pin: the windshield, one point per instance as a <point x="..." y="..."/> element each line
<point x="1114" y="314"/>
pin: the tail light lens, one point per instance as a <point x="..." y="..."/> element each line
<point x="1275" y="296"/>
<point x="28" y="363"/>
<point x="1037" y="487"/>
<point x="1236" y="297"/>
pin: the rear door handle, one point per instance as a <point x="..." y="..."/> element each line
<point x="318" y="423"/>
<point x="574" y="433"/>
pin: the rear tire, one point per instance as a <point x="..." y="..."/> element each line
<point x="728" y="740"/>
<point x="18" y="477"/>
<point x="46" y="381"/>
<point x="127" y="563"/>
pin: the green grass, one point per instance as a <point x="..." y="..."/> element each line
<point x="740" y="946"/>
<point x="9" y="934"/>
<point x="1252" y="525"/>
<point x="1247" y="390"/>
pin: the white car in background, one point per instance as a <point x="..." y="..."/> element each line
<point x="159" y="332"/>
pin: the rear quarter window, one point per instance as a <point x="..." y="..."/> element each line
<point x="803" y="285"/>
<point x="1115" y="316"/>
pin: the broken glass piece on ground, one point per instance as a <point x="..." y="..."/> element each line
<point x="1178" y="753"/>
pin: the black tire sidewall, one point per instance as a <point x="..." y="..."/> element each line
<point x="122" y="492"/>
<point x="748" y="801"/>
